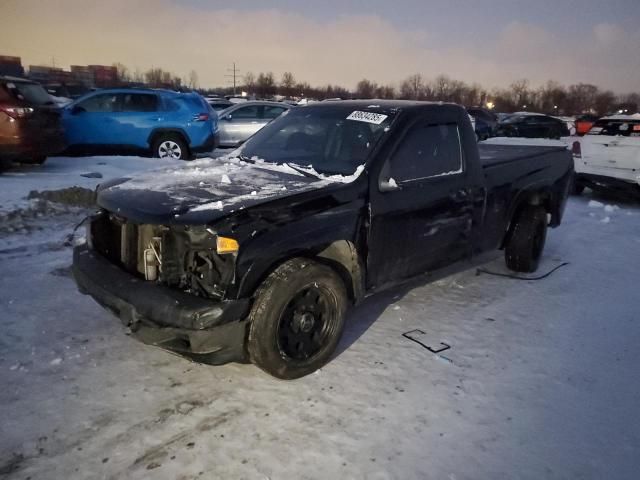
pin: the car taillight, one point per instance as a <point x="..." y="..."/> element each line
<point x="201" y="117"/>
<point x="576" y="149"/>
<point x="16" y="112"/>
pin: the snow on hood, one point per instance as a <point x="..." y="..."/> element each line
<point x="211" y="186"/>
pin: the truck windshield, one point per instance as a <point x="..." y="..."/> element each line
<point x="330" y="140"/>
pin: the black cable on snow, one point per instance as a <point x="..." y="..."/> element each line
<point x="515" y="277"/>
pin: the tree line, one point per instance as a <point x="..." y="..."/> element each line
<point x="551" y="98"/>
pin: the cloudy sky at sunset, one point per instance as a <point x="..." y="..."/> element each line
<point x="492" y="42"/>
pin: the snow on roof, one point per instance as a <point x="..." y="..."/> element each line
<point x="635" y="116"/>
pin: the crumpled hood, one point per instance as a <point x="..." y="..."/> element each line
<point x="203" y="191"/>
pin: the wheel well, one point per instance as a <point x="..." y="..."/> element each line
<point x="341" y="256"/>
<point x="157" y="133"/>
<point x="542" y="199"/>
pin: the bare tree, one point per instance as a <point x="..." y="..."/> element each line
<point x="157" y="77"/>
<point x="581" y="97"/>
<point x="193" y="79"/>
<point x="265" y="85"/>
<point x="122" y="72"/>
<point x="138" y="76"/>
<point x="519" y="91"/>
<point x="412" y="87"/>
<point x="287" y="83"/>
<point x="366" y="89"/>
<point x="604" y="102"/>
<point x="385" y="91"/>
<point x="249" y="81"/>
<point x="303" y="89"/>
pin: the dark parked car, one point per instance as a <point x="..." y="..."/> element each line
<point x="258" y="256"/>
<point x="29" y="122"/>
<point x="532" y="126"/>
<point x="486" y="122"/>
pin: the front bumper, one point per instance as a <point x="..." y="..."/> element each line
<point x="158" y="315"/>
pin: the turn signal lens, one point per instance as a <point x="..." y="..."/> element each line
<point x="226" y="245"/>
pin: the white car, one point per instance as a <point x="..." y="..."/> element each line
<point x="609" y="155"/>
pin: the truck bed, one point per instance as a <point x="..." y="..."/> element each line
<point x="493" y="155"/>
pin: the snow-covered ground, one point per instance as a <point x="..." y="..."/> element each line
<point x="541" y="380"/>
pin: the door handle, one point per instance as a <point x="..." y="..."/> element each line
<point x="460" y="194"/>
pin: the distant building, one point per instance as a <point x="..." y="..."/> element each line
<point x="105" y="76"/>
<point x="11" y="66"/>
<point x="90" y="76"/>
<point x="84" y="75"/>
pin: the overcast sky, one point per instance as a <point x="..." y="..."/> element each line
<point x="492" y="42"/>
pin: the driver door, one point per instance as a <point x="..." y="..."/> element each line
<point x="422" y="207"/>
<point x="91" y="121"/>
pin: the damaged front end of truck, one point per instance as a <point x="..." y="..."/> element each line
<point x="167" y="284"/>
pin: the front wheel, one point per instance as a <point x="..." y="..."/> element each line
<point x="526" y="240"/>
<point x="297" y="319"/>
<point x="170" y="146"/>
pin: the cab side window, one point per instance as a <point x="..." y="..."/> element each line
<point x="427" y="151"/>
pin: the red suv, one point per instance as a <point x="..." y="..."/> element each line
<point x="30" y="126"/>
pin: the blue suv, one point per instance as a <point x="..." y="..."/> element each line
<point x="164" y="123"/>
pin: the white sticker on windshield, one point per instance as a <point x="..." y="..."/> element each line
<point x="368" y="117"/>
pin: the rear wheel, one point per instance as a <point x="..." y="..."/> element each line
<point x="297" y="319"/>
<point x="526" y="240"/>
<point x="170" y="146"/>
<point x="577" y="187"/>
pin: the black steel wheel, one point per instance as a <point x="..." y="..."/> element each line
<point x="297" y="319"/>
<point x="526" y="239"/>
<point x="306" y="323"/>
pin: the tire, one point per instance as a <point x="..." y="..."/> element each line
<point x="577" y="187"/>
<point x="297" y="319"/>
<point x="170" y="146"/>
<point x="526" y="240"/>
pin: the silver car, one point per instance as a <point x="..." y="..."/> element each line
<point x="239" y="122"/>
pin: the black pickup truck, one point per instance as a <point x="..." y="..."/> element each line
<point x="257" y="256"/>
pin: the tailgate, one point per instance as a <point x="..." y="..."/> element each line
<point x="606" y="153"/>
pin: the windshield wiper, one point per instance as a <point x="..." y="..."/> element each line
<point x="306" y="173"/>
<point x="246" y="159"/>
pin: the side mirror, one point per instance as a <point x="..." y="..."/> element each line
<point x="227" y="117"/>
<point x="76" y="109"/>
<point x="389" y="185"/>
